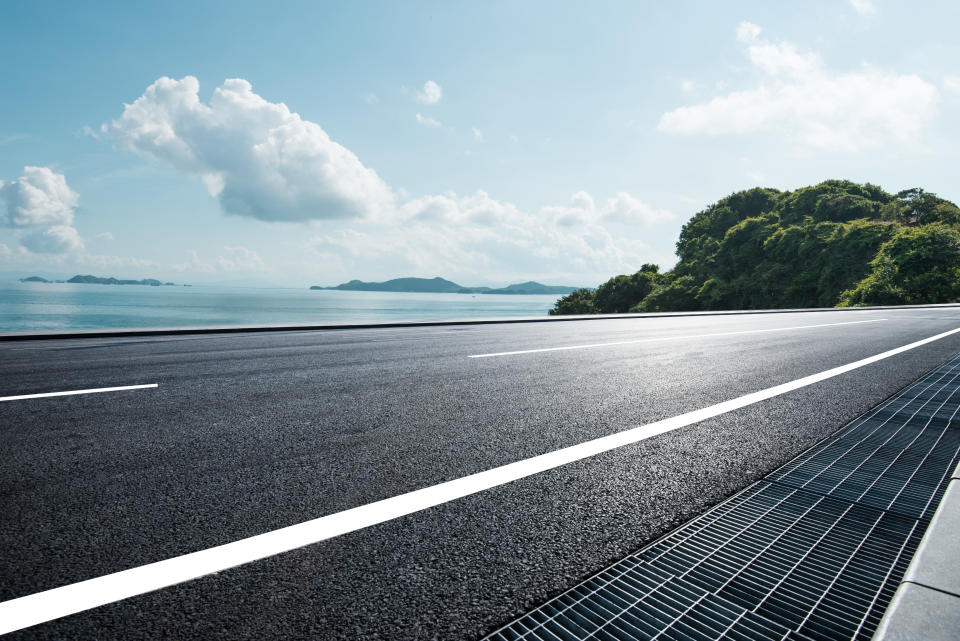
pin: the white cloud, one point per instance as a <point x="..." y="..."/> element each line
<point x="240" y="259"/>
<point x="428" y="122"/>
<point x="687" y="86"/>
<point x="6" y="140"/>
<point x="105" y="236"/>
<point x="38" y="197"/>
<point x="514" y="138"/>
<point x="622" y="208"/>
<point x="106" y="261"/>
<point x="237" y="259"/>
<point x="476" y="209"/>
<point x="41" y="205"/>
<point x="264" y="161"/>
<point x="863" y="7"/>
<point x="798" y="98"/>
<point x="260" y="159"/>
<point x="748" y="32"/>
<point x="431" y="94"/>
<point x="467" y="254"/>
<point x="776" y="58"/>
<point x="5" y="252"/>
<point x="58" y="239"/>
<point x="474" y="237"/>
<point x="371" y="98"/>
<point x="951" y="84"/>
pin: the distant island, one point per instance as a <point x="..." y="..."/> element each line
<point x="443" y="286"/>
<point x="99" y="280"/>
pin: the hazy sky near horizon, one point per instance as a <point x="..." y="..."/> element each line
<point x="303" y="143"/>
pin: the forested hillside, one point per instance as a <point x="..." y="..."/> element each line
<point x="838" y="243"/>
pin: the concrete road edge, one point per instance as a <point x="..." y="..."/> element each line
<point x="927" y="603"/>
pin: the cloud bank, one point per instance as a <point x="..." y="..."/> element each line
<point x="237" y="259"/>
<point x="261" y="160"/>
<point x="802" y="100"/>
<point x="257" y="157"/>
<point x="463" y="237"/>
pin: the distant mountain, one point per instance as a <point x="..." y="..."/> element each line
<point x="99" y="280"/>
<point x="423" y="285"/>
<point x="35" y="279"/>
<point x="443" y="286"/>
<point x="532" y="287"/>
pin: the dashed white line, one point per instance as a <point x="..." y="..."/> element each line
<point x="33" y="609"/>
<point x="97" y="390"/>
<point x="670" y="338"/>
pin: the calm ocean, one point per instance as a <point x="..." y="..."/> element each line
<point x="61" y="306"/>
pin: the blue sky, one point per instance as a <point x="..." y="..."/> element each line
<point x="310" y="143"/>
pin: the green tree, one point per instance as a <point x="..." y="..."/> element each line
<point x="837" y="242"/>
<point x="913" y="207"/>
<point x="579" y="301"/>
<point x="674" y="295"/>
<point x="620" y="293"/>
<point x="918" y="265"/>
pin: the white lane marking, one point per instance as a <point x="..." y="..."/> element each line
<point x="670" y="338"/>
<point x="32" y="609"/>
<point x="77" y="391"/>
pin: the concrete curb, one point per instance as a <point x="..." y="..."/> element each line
<point x="927" y="603"/>
<point x="176" y="331"/>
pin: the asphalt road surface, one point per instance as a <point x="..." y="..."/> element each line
<point x="248" y="433"/>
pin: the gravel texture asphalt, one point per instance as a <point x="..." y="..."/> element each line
<point x="248" y="433"/>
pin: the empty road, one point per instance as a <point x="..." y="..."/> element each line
<point x="219" y="438"/>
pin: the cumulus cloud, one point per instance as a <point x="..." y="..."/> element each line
<point x="105" y="236"/>
<point x="863" y="7"/>
<point x="264" y="161"/>
<point x="622" y="208"/>
<point x="38" y="197"/>
<point x="476" y="209"/>
<point x="428" y="122"/>
<point x="800" y="99"/>
<point x="58" y="239"/>
<point x="431" y="94"/>
<point x="40" y="205"/>
<point x="583" y="256"/>
<point x="257" y="157"/>
<point x="462" y="237"/>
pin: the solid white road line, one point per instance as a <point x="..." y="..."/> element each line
<point x="77" y="391"/>
<point x="69" y="599"/>
<point x="671" y="338"/>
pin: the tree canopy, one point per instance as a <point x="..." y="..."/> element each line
<point x="838" y="243"/>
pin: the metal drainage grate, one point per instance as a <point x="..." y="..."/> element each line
<point x="813" y="551"/>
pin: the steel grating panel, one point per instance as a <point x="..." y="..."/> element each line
<point x="815" y="550"/>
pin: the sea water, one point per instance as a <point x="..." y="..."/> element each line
<point x="69" y="306"/>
